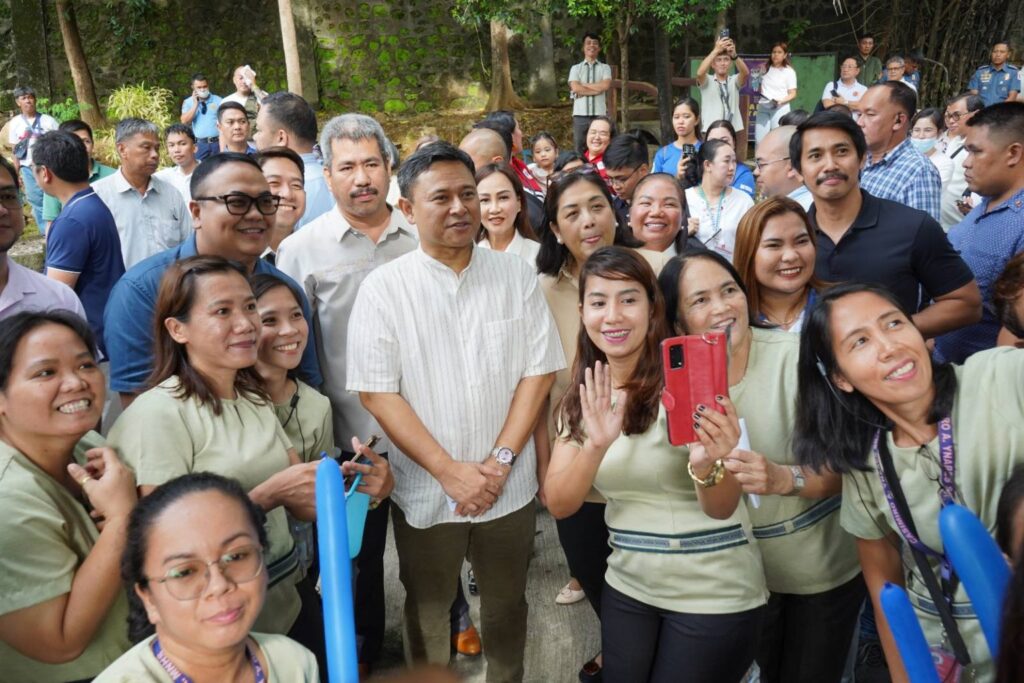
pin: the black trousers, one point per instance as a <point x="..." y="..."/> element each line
<point x="308" y="629"/>
<point x="806" y="638"/>
<point x="645" y="644"/>
<point x="584" y="539"/>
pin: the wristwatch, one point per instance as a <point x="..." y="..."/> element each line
<point x="504" y="455"/>
<point x="716" y="474"/>
<point x="799" y="481"/>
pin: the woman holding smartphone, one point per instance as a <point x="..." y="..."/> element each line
<point x="810" y="563"/>
<point x="674" y="513"/>
<point x="908" y="435"/>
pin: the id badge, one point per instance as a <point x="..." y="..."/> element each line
<point x="946" y="666"/>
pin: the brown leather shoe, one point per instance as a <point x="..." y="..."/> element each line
<point x="467" y="642"/>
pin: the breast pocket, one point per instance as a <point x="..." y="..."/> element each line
<point x="167" y="229"/>
<point x="505" y="352"/>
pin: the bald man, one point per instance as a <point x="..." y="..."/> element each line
<point x="774" y="172"/>
<point x="484" y="146"/>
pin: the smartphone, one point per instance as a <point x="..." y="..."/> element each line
<point x="724" y="33"/>
<point x="696" y="370"/>
<point x="689" y="150"/>
<point x="835" y="93"/>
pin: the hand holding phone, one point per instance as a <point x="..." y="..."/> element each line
<point x="696" y="372"/>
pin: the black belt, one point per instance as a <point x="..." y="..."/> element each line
<point x="208" y="140"/>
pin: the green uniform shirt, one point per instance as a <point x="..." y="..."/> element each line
<point x="52" y="206"/>
<point x="665" y="551"/>
<point x="45" y="536"/>
<point x="287" y="662"/>
<point x="308" y="423"/>
<point x="805" y="550"/>
<point x="988" y="433"/>
<point x="161" y="437"/>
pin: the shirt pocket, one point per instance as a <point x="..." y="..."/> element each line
<point x="505" y="353"/>
<point x="167" y="229"/>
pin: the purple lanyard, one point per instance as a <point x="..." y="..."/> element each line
<point x="178" y="677"/>
<point x="947" y="485"/>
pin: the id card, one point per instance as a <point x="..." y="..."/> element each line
<point x="946" y="666"/>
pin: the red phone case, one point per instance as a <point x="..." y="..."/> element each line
<point x="701" y="375"/>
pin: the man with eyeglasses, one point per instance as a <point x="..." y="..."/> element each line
<point x="21" y="288"/>
<point x="150" y="214"/>
<point x="998" y="81"/>
<point x="846" y="89"/>
<point x="626" y="161"/>
<point x="200" y="111"/>
<point x="896" y="70"/>
<point x="775" y="174"/>
<point x="233" y="211"/>
<point x="956" y="196"/>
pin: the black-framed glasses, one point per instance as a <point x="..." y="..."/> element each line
<point x="953" y="115"/>
<point x="619" y="182"/>
<point x="239" y="203"/>
<point x="10" y="198"/>
<point x="189" y="580"/>
<point x="761" y="164"/>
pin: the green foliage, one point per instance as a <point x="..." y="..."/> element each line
<point x="152" y="104"/>
<point x="795" y="30"/>
<point x="62" y="111"/>
<point x="521" y="16"/>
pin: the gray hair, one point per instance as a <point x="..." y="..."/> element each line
<point x="897" y="60"/>
<point x="130" y="127"/>
<point x="352" y="127"/>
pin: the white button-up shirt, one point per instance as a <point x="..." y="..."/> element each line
<point x="147" y="223"/>
<point x="329" y="259"/>
<point x="27" y="290"/>
<point x="455" y="347"/>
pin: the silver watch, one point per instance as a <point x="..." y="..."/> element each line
<point x="504" y="455"/>
<point x="799" y="481"/>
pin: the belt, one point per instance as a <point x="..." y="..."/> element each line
<point x="808" y="517"/>
<point x="684" y="544"/>
<point x="282" y="567"/>
<point x="208" y="140"/>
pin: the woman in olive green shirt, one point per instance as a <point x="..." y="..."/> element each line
<point x="873" y="401"/>
<point x="62" y="610"/>
<point x="194" y="620"/>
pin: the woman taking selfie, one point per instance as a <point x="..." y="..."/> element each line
<point x="908" y="435"/>
<point x="194" y="567"/>
<point x="715" y="207"/>
<point x="674" y="512"/>
<point x="810" y="563"/>
<point x="776" y="247"/>
<point x="504" y="224"/>
<point x="64" y="506"/>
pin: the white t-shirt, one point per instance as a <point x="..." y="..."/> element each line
<point x="777" y="82"/>
<point x="945" y="166"/>
<point x="179" y="180"/>
<point x="711" y="104"/>
<point x="850" y="93"/>
<point x="20" y="126"/>
<point x="718" y="231"/>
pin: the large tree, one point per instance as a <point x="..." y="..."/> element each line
<point x="85" y="91"/>
<point x="291" y="46"/>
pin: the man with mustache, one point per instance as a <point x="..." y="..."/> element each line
<point x="329" y="258"/>
<point x="867" y="239"/>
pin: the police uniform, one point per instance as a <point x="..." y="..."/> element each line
<point x="994" y="85"/>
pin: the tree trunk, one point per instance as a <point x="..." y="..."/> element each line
<point x="85" y="92"/>
<point x="663" y="80"/>
<point x="502" y="95"/>
<point x="542" y="90"/>
<point x="291" y="47"/>
<point x="623" y="27"/>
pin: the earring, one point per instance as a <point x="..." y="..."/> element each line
<point x="558" y="239"/>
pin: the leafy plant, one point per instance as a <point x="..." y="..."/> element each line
<point x="62" y="111"/>
<point x="153" y="104"/>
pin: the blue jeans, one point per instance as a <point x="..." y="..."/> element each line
<point x="34" y="194"/>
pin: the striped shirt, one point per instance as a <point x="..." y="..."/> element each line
<point x="905" y="176"/>
<point x="588" y="73"/>
<point x="455" y="347"/>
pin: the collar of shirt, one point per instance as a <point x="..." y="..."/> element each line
<point x="122" y="185"/>
<point x="342" y="227"/>
<point x="891" y="156"/>
<point x="1014" y="203"/>
<point x="566" y="276"/>
<point x="512" y="247"/>
<point x="444" y="268"/>
<point x="19" y="284"/>
<point x="799" y="192"/>
<point x="866" y="218"/>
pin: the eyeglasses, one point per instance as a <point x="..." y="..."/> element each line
<point x="761" y="164"/>
<point x="238" y="204"/>
<point x="189" y="580"/>
<point x="10" y="198"/>
<point x="954" y="115"/>
<point x="619" y="182"/>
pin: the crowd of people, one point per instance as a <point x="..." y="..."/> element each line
<point x="476" y="336"/>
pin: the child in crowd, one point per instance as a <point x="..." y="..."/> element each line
<point x="545" y="151"/>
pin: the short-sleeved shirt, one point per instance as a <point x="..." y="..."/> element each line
<point x="27" y="290"/>
<point x="666" y="159"/>
<point x="28" y="127"/>
<point x="84" y="240"/>
<point x="52" y="206"/>
<point x="454" y="346"/>
<point x="330" y="260"/>
<point x="319" y="199"/>
<point x="661" y="539"/>
<point x="590" y="72"/>
<point x="850" y="93"/>
<point x="128" y="320"/>
<point x="306" y="419"/>
<point x="989" y="438"/>
<point x="986" y="240"/>
<point x="720" y="100"/>
<point x="777" y="82"/>
<point x="180" y="181"/>
<point x="149" y="223"/>
<point x="872" y="70"/>
<point x="204" y="125"/>
<point x="805" y="550"/>
<point x="520" y="246"/>
<point x="45" y="536"/>
<point x="718" y="227"/>
<point x="161" y="436"/>
<point x="802" y="196"/>
<point x="995" y="85"/>
<point x="287" y="661"/>
<point x="895" y="246"/>
<point x="905" y="176"/>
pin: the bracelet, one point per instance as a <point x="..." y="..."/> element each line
<point x="716" y="474"/>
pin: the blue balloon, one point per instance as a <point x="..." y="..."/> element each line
<point x="335" y="574"/>
<point x="906" y="631"/>
<point x="979" y="564"/>
<point x="357" y="505"/>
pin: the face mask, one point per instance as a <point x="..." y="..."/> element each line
<point x="204" y="93"/>
<point x="924" y="146"/>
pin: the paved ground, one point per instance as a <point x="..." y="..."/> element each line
<point x="560" y="637"/>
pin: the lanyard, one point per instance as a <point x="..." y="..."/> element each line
<point x="178" y="677"/>
<point x="723" y="94"/>
<point x="716" y="217"/>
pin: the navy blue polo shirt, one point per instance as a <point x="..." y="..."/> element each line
<point x="83" y="239"/>
<point x="898" y="247"/>
<point x="129" y="320"/>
